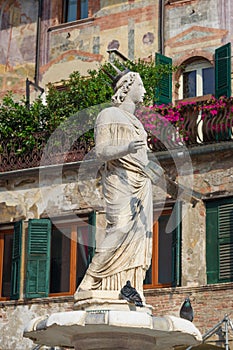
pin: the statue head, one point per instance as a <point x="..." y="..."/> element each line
<point x="125" y="85"/>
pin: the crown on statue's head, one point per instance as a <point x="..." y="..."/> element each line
<point x="118" y="76"/>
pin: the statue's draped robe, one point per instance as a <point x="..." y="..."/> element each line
<point x="125" y="252"/>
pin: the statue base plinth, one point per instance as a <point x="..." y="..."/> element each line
<point x="102" y="320"/>
<point x="112" y="330"/>
<point x="105" y="300"/>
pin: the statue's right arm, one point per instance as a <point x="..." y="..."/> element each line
<point x="107" y="152"/>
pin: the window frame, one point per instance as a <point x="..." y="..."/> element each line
<point x="155" y="254"/>
<point x="65" y="11"/>
<point x="89" y="219"/>
<point x="3" y="232"/>
<point x="73" y="256"/>
<point x="155" y="261"/>
<point x="197" y="65"/>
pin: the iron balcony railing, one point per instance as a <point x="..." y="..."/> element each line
<point x="16" y="155"/>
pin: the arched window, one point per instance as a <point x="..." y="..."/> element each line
<point x="197" y="79"/>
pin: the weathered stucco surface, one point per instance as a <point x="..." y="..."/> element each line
<point x="195" y="28"/>
<point x="14" y="318"/>
<point x="29" y="196"/>
<point x="18" y="43"/>
<point x="25" y="196"/>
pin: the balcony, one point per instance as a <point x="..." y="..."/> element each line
<point x="187" y="123"/>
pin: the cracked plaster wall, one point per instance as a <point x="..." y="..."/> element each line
<point x="25" y="198"/>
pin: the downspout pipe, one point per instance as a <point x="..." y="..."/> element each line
<point x="36" y="87"/>
<point x="38" y="35"/>
<point x="161" y="27"/>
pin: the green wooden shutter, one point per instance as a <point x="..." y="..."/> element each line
<point x="211" y="243"/>
<point x="219" y="241"/>
<point x="223" y="71"/>
<point x="91" y="236"/>
<point x="163" y="92"/>
<point x="225" y="239"/>
<point x="16" y="261"/>
<point x="38" y="258"/>
<point x="176" y="247"/>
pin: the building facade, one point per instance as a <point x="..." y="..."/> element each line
<point x="45" y="41"/>
<point x="52" y="220"/>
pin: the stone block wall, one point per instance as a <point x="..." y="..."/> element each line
<point x="14" y="316"/>
<point x="56" y="194"/>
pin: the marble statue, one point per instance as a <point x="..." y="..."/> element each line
<point x="121" y="143"/>
<point x="102" y="320"/>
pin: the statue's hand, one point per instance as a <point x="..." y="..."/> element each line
<point x="134" y="146"/>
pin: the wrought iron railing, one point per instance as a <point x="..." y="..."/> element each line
<point x="196" y="127"/>
<point x="15" y="155"/>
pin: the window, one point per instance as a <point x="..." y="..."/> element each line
<point x="57" y="256"/>
<point x="202" y="78"/>
<point x="165" y="267"/>
<point x="219" y="241"/>
<point x="6" y="244"/>
<point x="197" y="79"/>
<point x="74" y="10"/>
<point x="72" y="247"/>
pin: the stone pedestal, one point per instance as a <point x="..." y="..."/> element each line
<point x="106" y="300"/>
<point x="111" y="325"/>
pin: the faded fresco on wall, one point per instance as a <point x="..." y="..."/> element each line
<point x="196" y="28"/>
<point x="18" y="43"/>
<point x="131" y="27"/>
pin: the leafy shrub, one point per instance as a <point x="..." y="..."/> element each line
<point x="22" y="122"/>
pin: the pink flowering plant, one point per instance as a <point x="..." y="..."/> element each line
<point x="166" y="124"/>
<point x="176" y="124"/>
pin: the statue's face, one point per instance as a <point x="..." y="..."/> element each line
<point x="137" y="90"/>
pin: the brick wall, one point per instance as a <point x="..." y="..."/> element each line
<point x="210" y="303"/>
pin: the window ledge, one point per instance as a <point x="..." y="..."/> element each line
<point x="48" y="300"/>
<point x="171" y="2"/>
<point x="68" y="25"/>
